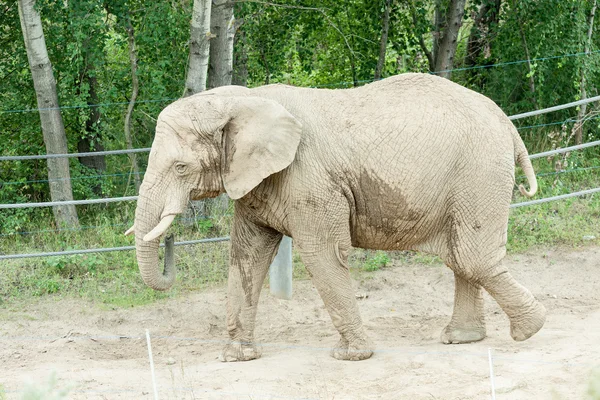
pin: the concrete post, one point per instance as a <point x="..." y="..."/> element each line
<point x="280" y="273"/>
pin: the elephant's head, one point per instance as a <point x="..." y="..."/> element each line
<point x="207" y="144"/>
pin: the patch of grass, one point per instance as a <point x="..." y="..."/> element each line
<point x="109" y="278"/>
<point x="367" y="260"/>
<point x="569" y="222"/>
<point x="594" y="385"/>
<point x="46" y="391"/>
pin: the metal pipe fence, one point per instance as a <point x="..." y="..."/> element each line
<point x="555" y="108"/>
<point x="132" y="198"/>
<point x="68" y="203"/>
<point x="87" y="154"/>
<point x="105" y="250"/>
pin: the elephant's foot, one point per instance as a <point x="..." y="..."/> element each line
<point x="454" y="335"/>
<point x="529" y="322"/>
<point x="356" y="350"/>
<point x="240" y="351"/>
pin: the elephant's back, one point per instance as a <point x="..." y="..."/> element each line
<point x="420" y="143"/>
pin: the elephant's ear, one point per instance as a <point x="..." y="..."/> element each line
<point x="260" y="139"/>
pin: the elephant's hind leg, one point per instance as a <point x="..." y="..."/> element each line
<point x="468" y="322"/>
<point x="527" y="315"/>
<point x="476" y="256"/>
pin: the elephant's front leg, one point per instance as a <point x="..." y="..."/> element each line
<point x="324" y="250"/>
<point x="252" y="250"/>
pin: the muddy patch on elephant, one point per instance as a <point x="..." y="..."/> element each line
<point x="103" y="354"/>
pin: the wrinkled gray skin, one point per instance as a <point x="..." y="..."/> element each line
<point x="412" y="162"/>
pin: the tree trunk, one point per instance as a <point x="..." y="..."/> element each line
<point x="134" y="94"/>
<point x="220" y="68"/>
<point x="222" y="24"/>
<point x="240" y="60"/>
<point x="583" y="94"/>
<point x="422" y="43"/>
<point x="479" y="42"/>
<point x="529" y="69"/>
<point x="385" y="26"/>
<point x="444" y="57"/>
<point x="265" y="64"/>
<point x="53" y="129"/>
<point x="91" y="140"/>
<point x="439" y="19"/>
<point x="199" y="48"/>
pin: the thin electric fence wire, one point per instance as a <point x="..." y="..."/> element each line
<point x="343" y="83"/>
<point x="81" y="228"/>
<point x="75" y="178"/>
<point x="116" y="103"/>
<point x="503" y="64"/>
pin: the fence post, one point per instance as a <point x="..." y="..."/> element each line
<point x="280" y="273"/>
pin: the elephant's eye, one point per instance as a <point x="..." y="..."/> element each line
<point x="181" y="168"/>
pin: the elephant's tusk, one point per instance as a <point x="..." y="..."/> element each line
<point x="162" y="226"/>
<point x="130" y="230"/>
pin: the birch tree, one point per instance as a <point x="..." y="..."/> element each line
<point x="220" y="68"/>
<point x="135" y="87"/>
<point x="385" y="27"/>
<point x="53" y="128"/>
<point x="583" y="93"/>
<point x="222" y="25"/>
<point x="200" y="36"/>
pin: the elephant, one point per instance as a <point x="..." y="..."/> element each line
<point x="410" y="162"/>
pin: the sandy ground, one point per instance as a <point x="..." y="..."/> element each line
<point x="102" y="354"/>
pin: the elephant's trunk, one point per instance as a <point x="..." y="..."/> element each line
<point x="147" y="251"/>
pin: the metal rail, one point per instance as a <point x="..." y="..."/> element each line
<point x="564" y="150"/>
<point x="560" y="197"/>
<point x="105" y="250"/>
<point x="89" y="154"/>
<point x="68" y="203"/>
<point x="555" y="108"/>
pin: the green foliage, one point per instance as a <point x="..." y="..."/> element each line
<point x="316" y="43"/>
<point x="109" y="278"/>
<point x="594" y="385"/>
<point x="47" y="391"/>
<point x="376" y="261"/>
<point x="327" y="43"/>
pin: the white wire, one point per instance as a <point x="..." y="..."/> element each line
<point x="151" y="365"/>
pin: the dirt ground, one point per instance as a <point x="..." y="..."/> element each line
<point x="102" y="354"/>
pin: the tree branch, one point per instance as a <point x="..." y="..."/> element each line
<point x="268" y="3"/>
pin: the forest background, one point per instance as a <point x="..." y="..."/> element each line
<point x="117" y="63"/>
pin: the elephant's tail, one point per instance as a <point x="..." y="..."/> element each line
<point x="522" y="160"/>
